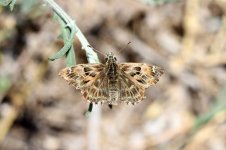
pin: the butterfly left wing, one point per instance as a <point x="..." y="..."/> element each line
<point x="82" y="75"/>
<point x="90" y="79"/>
<point x="141" y="74"/>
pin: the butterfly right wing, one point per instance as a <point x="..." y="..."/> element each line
<point x="135" y="78"/>
<point x="141" y="74"/>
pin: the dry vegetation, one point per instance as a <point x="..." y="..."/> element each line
<point x="185" y="110"/>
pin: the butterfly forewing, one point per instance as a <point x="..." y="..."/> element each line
<point x="142" y="74"/>
<point x="82" y="75"/>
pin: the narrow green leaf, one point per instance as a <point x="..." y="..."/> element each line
<point x="61" y="52"/>
<point x="11" y="3"/>
<point x="5" y="2"/>
<point x="67" y="33"/>
<point x="70" y="57"/>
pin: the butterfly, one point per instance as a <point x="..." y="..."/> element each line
<point x="112" y="83"/>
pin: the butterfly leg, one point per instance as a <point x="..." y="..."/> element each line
<point x="88" y="112"/>
<point x="90" y="107"/>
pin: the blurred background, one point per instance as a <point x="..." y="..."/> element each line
<point x="185" y="110"/>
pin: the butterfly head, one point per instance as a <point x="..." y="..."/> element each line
<point x="110" y="58"/>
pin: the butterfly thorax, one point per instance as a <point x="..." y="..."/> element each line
<point x="112" y="74"/>
<point x="111" y="66"/>
<point x="112" y="71"/>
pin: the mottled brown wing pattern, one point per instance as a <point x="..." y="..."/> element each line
<point x="90" y="79"/>
<point x="129" y="91"/>
<point x="141" y="74"/>
<point x="83" y="75"/>
<point x="98" y="91"/>
<point x="101" y="83"/>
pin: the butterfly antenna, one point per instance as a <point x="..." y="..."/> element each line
<point x="120" y="50"/>
<point x="96" y="50"/>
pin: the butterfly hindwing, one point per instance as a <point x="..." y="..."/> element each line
<point x="97" y="91"/>
<point x="130" y="92"/>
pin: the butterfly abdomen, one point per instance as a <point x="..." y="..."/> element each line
<point x="113" y="90"/>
